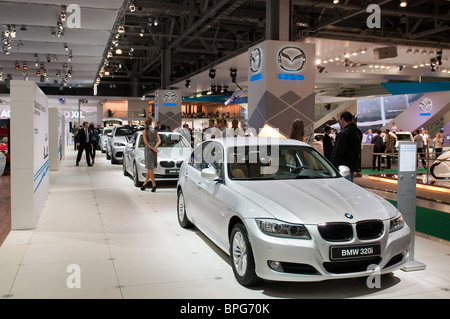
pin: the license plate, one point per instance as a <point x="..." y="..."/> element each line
<point x="172" y="171"/>
<point x="355" y="251"/>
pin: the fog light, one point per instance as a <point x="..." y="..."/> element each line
<point x="275" y="265"/>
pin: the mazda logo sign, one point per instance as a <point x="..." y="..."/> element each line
<point x="169" y="96"/>
<point x="255" y="60"/>
<point x="291" y="59"/>
<point x="425" y="105"/>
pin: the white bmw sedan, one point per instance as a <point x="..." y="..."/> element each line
<point x="284" y="213"/>
<point x="173" y="150"/>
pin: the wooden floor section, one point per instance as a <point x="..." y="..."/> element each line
<point x="5" y="206"/>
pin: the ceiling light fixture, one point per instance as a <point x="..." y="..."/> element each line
<point x="119" y="51"/>
<point x="63" y="14"/>
<point x="233" y="74"/>
<point x="188" y="83"/>
<point x="121" y="29"/>
<point x="132" y="7"/>
<point x="320" y="68"/>
<point x="403" y="4"/>
<point x="212" y="73"/>
<point x="141" y="33"/>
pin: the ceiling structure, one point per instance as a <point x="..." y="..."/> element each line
<point x="166" y="42"/>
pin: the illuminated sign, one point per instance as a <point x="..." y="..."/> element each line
<point x="291" y="59"/>
<point x="255" y="60"/>
<point x="425" y="106"/>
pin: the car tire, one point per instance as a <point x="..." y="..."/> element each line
<point x="242" y="260"/>
<point x="181" y="211"/>
<point x="124" y="168"/>
<point x="136" y="181"/>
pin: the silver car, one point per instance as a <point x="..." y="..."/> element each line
<point x="284" y="213"/>
<point x="104" y="138"/>
<point x="173" y="151"/>
<point x="118" y="140"/>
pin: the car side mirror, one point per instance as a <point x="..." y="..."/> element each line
<point x="210" y="174"/>
<point x="344" y="170"/>
<point x="109" y="134"/>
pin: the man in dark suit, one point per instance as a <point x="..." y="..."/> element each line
<point x="83" y="143"/>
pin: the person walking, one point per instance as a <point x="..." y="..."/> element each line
<point x="420" y="145"/>
<point x="94" y="137"/>
<point x="74" y="132"/>
<point x="151" y="142"/>
<point x="378" y="147"/>
<point x="438" y="144"/>
<point x="389" y="142"/>
<point x="347" y="149"/>
<point x="83" y="144"/>
<point x="327" y="143"/>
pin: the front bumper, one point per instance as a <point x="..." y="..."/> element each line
<point x="309" y="260"/>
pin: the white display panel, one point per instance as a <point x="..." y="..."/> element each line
<point x="29" y="172"/>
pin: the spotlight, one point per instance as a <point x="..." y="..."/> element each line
<point x="155" y="23"/>
<point x="12" y="31"/>
<point x="212" y="73"/>
<point x="19" y="45"/>
<point x="403" y="4"/>
<point x="233" y="74"/>
<point x="119" y="51"/>
<point x="17" y="66"/>
<point x="58" y="73"/>
<point x="25" y="66"/>
<point x="63" y="15"/>
<point x="141" y="33"/>
<point x="66" y="48"/>
<point x="188" y="83"/>
<point x="400" y="68"/>
<point x="132" y="7"/>
<point x="38" y="73"/>
<point x="121" y="29"/>
<point x="320" y="68"/>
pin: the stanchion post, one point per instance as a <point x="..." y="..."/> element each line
<point x="406" y="195"/>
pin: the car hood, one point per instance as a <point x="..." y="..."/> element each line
<point x="315" y="201"/>
<point x="174" y="153"/>
<point x="123" y="139"/>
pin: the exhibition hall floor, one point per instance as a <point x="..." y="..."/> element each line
<point x="118" y="242"/>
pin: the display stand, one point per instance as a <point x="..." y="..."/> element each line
<point x="29" y="153"/>
<point x="406" y="195"/>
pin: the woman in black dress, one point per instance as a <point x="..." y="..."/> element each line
<point x="151" y="141"/>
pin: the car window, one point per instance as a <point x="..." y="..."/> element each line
<point x="141" y="141"/>
<point x="264" y="162"/>
<point x="124" y="131"/>
<point x="173" y="140"/>
<point x="208" y="154"/>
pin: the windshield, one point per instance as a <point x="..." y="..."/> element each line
<point x="168" y="140"/>
<point x="278" y="162"/>
<point x="404" y="137"/>
<point x="125" y="131"/>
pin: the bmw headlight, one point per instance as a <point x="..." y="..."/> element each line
<point x="397" y="223"/>
<point x="278" y="228"/>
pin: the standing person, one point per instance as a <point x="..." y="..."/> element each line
<point x="347" y="149"/>
<point x="297" y="130"/>
<point x="94" y="137"/>
<point x="378" y="147"/>
<point x="327" y="143"/>
<point x="235" y="130"/>
<point x="83" y="143"/>
<point x="74" y="132"/>
<point x="393" y="128"/>
<point x="389" y="141"/>
<point x="438" y="144"/>
<point x="420" y="144"/>
<point x="151" y="142"/>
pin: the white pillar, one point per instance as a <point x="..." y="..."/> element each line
<point x="29" y="153"/>
<point x="168" y="108"/>
<point x="281" y="85"/>
<point x="55" y="138"/>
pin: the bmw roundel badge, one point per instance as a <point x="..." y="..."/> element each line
<point x="349" y="216"/>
